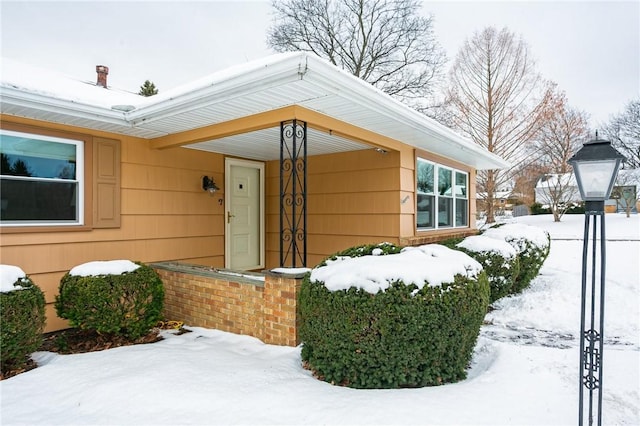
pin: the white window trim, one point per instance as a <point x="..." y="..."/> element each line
<point x="436" y="195"/>
<point x="80" y="180"/>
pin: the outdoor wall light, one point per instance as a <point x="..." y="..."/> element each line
<point x="596" y="166"/>
<point x="209" y="185"/>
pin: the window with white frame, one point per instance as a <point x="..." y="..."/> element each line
<point x="42" y="180"/>
<point x="442" y="196"/>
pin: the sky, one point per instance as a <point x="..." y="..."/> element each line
<point x="590" y="49"/>
<point x="524" y="369"/>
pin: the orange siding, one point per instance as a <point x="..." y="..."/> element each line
<point x="353" y="198"/>
<point x="165" y="215"/>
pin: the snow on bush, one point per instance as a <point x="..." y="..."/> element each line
<point x="22" y="317"/>
<point x="103" y="267"/>
<point x="425" y="265"/>
<point x="408" y="318"/>
<point x="499" y="260"/>
<point x="119" y="297"/>
<point x="10" y="278"/>
<point x="532" y="245"/>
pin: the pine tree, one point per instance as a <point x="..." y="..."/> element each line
<point x="148" y="89"/>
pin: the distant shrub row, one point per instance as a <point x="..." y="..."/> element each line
<point x="537" y="208"/>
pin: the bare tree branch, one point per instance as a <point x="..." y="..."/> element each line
<point x="498" y="99"/>
<point x="387" y="43"/>
<point x="624" y="132"/>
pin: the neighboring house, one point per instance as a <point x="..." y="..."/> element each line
<point x="564" y="188"/>
<point x="503" y="199"/>
<point x="306" y="159"/>
<point x="626" y="192"/>
<point x="556" y="187"/>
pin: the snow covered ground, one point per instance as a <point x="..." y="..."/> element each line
<point x="524" y="370"/>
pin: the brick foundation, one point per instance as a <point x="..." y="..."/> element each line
<point x="258" y="305"/>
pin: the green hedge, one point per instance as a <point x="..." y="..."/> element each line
<point x="400" y="337"/>
<point x="380" y="249"/>
<point x="532" y="245"/>
<point x="22" y="319"/>
<point x="499" y="261"/>
<point x="129" y="304"/>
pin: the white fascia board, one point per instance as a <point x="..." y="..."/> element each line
<point x="220" y="90"/>
<point x="356" y="90"/>
<point x="21" y="98"/>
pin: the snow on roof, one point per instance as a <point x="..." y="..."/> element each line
<point x="625" y="177"/>
<point x="46" y="95"/>
<point x="433" y="264"/>
<point x="628" y="177"/>
<point x="21" y="76"/>
<point x="9" y="275"/>
<point x="103" y="267"/>
<point x="552" y="180"/>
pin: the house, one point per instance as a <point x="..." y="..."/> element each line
<point x="274" y="163"/>
<point x="504" y="198"/>
<point x="556" y="188"/>
<point x="563" y="188"/>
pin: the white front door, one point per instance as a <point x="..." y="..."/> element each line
<point x="244" y="199"/>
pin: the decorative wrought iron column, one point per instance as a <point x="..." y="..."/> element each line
<point x="293" y="194"/>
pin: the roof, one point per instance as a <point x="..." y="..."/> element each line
<point x="625" y="177"/>
<point x="264" y="85"/>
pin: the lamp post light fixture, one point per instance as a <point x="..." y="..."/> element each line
<point x="595" y="166"/>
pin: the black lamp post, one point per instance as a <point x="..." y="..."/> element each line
<point x="596" y="166"/>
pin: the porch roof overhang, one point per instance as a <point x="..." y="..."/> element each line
<point x="238" y="111"/>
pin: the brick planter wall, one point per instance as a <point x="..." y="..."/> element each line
<point x="258" y="305"/>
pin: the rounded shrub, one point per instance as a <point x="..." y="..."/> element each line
<point x="126" y="303"/>
<point x="498" y="259"/>
<point x="532" y="245"/>
<point x="404" y="334"/>
<point x="22" y="318"/>
<point x="380" y="249"/>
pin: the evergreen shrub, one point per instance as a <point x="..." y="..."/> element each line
<point x="128" y="305"/>
<point x="537" y="208"/>
<point x="380" y="249"/>
<point x="532" y="245"/>
<point x="499" y="261"/>
<point x="400" y="337"/>
<point x="22" y="319"/>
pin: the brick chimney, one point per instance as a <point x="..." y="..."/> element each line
<point x="102" y="75"/>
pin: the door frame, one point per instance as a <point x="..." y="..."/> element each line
<point x="228" y="163"/>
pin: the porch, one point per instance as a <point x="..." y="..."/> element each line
<point x="262" y="305"/>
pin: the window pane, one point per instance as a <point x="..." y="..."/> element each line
<point x="444" y="182"/>
<point x="461" y="212"/>
<point x="424" y="216"/>
<point x="34" y="200"/>
<point x="41" y="179"/>
<point x="425" y="177"/>
<point x="461" y="185"/>
<point x="445" y="212"/>
<point x="26" y="156"/>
